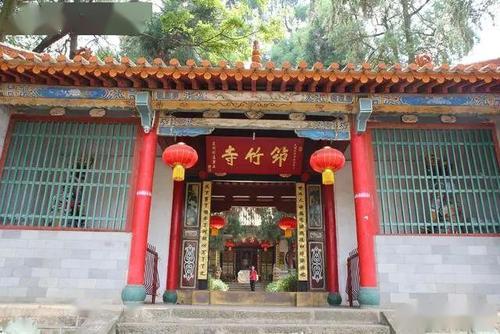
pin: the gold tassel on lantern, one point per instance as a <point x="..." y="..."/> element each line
<point x="288" y="233"/>
<point x="214" y="232"/>
<point x="327" y="176"/>
<point x="178" y="173"/>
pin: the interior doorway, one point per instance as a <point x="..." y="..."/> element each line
<point x="251" y="235"/>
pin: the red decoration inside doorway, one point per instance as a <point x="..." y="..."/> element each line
<point x="216" y="223"/>
<point x="288" y="224"/>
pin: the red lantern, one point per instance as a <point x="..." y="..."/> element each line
<point x="327" y="161"/>
<point x="287" y="224"/>
<point x="229" y="244"/>
<point x="180" y="156"/>
<point x="265" y="245"/>
<point x="216" y="223"/>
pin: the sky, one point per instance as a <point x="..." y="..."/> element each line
<point x="489" y="42"/>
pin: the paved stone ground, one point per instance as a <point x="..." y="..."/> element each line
<point x="60" y="319"/>
<point x="246" y="319"/>
<point x="161" y="318"/>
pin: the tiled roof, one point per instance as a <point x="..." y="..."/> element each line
<point x="492" y="62"/>
<point x="18" y="66"/>
<point x="13" y="51"/>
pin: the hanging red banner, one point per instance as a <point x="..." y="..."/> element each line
<point x="244" y="155"/>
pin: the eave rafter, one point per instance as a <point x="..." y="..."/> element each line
<point x="32" y="68"/>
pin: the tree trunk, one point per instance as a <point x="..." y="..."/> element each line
<point x="410" y="47"/>
<point x="7" y="9"/>
<point x="73" y="45"/>
<point x="312" y="10"/>
<point x="48" y="41"/>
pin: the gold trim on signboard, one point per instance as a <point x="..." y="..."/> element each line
<point x="300" y="193"/>
<point x="206" y="197"/>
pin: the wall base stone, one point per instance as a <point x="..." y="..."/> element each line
<point x="449" y="275"/>
<point x="63" y="266"/>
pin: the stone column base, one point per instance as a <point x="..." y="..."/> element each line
<point x="369" y="296"/>
<point x="334" y="299"/>
<point x="133" y="294"/>
<point x="170" y="296"/>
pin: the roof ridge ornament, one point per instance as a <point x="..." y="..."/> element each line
<point x="256" y="58"/>
<point x="423" y="59"/>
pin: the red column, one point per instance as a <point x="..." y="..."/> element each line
<point x="135" y="291"/>
<point x="332" y="279"/>
<point x="170" y="295"/>
<point x="363" y="175"/>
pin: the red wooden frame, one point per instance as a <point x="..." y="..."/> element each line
<point x="477" y="235"/>
<point x="59" y="119"/>
<point x="399" y="125"/>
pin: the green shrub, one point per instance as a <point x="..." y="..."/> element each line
<point x="215" y="284"/>
<point x="285" y="284"/>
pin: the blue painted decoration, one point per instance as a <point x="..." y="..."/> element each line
<point x="324" y="134"/>
<point x="183" y="132"/>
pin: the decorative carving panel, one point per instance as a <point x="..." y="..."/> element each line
<point x="188" y="272"/>
<point x="317" y="265"/>
<point x="314" y="207"/>
<point x="192" y="205"/>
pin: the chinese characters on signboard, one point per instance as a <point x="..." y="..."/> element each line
<point x="244" y="155"/>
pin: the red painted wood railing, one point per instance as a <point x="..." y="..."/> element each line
<point x="151" y="277"/>
<point x="352" y="286"/>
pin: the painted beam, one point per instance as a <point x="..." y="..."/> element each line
<point x="275" y="102"/>
<point x="168" y="122"/>
<point x="253" y="101"/>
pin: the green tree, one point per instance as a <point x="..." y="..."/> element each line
<point x="202" y="29"/>
<point x="388" y="31"/>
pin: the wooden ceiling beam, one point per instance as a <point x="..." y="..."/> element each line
<point x="356" y="88"/>
<point x="445" y="87"/>
<point x="283" y="85"/>
<point x="341" y="87"/>
<point x="298" y="85"/>
<point x="414" y="86"/>
<point x="194" y="84"/>
<point x="152" y="83"/>
<point x="254" y="85"/>
<point x="313" y="85"/>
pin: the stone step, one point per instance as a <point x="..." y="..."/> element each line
<point x="250" y="328"/>
<point x="245" y="287"/>
<point x="252" y="298"/>
<point x="161" y="313"/>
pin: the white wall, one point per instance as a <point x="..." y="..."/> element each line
<point x="4" y="123"/>
<point x="161" y="211"/>
<point x="346" y="223"/>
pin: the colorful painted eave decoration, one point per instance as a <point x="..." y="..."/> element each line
<point x="90" y="71"/>
<point x="20" y="94"/>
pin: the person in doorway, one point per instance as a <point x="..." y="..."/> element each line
<point x="253" y="278"/>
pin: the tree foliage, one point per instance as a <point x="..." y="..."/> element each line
<point x="244" y="222"/>
<point x="312" y="30"/>
<point x="388" y="31"/>
<point x="203" y="29"/>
